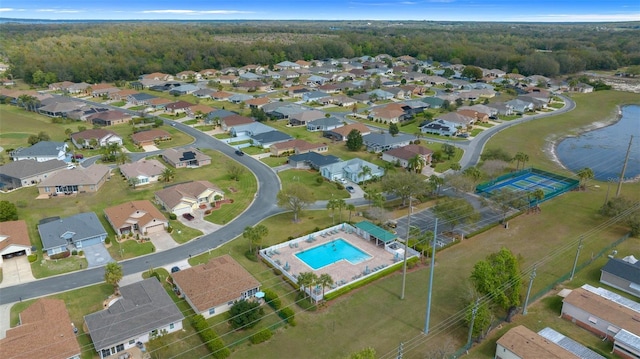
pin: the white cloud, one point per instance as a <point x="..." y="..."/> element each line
<point x="196" y="12"/>
<point x="6" y="9"/>
<point x="60" y="11"/>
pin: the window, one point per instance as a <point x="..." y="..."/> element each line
<point x="230" y="303"/>
<point x="212" y="311"/>
<point x="171" y="326"/>
<point x="593" y="320"/>
<point x="119" y="348"/>
<point x="132" y="342"/>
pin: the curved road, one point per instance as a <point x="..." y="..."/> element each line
<point x="263" y="206"/>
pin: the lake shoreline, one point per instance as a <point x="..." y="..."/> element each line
<point x="552" y="143"/>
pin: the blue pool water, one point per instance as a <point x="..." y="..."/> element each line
<point x="329" y="253"/>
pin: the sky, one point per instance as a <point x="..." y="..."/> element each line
<point x="432" y="10"/>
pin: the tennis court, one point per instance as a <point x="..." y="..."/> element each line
<point x="530" y="180"/>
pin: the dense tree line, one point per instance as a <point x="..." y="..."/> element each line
<point x="95" y="52"/>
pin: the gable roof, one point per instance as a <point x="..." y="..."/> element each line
<point x="455" y="118"/>
<point x="271" y="136"/>
<point x="149" y="135"/>
<point x="143" y="307"/>
<point x="141" y="212"/>
<point x="409" y="151"/>
<point x="299" y="145"/>
<point x="569" y="344"/>
<point x="219" y="281"/>
<point x="14" y="232"/>
<point x="82" y="225"/>
<point x="147" y="168"/>
<point x="178" y="105"/>
<point x="386" y="139"/>
<point x="315" y="159"/>
<point x="376" y="231"/>
<point x="624" y="270"/>
<point x="109" y="116"/>
<point x="29" y="167"/>
<point x="235" y="120"/>
<point x="326" y="122"/>
<point x="45" y="331"/>
<point x="172" y="196"/>
<point x="177" y="155"/>
<point x="78" y="176"/>
<point x="307" y="115"/>
<point x="97" y="133"/>
<point x="344" y="130"/>
<point x="527" y="344"/>
<point x="42" y="148"/>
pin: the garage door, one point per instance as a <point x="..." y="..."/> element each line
<point x="14" y="254"/>
<point x="182" y="210"/>
<point x="90" y="242"/>
<point x="155" y="229"/>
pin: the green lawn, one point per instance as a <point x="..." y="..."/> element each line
<point x="181" y="233"/>
<point x="119" y="103"/>
<point x="129" y="249"/>
<point x="275" y="161"/>
<point x="190" y="122"/>
<point x="321" y="191"/>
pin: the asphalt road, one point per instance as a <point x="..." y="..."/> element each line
<point x="263" y="206"/>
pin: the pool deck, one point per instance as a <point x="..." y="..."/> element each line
<point x="342" y="271"/>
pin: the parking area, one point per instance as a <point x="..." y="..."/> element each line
<point x="162" y="241"/>
<point x="199" y="223"/>
<point x="16" y="270"/>
<point x="97" y="255"/>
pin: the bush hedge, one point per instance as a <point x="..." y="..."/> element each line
<point x="271" y="298"/>
<point x="261" y="336"/>
<point x="210" y="338"/>
<point x="288" y="315"/>
<point x="107" y="240"/>
<point x="64" y="254"/>
<point x="32" y="258"/>
<point x="173" y="216"/>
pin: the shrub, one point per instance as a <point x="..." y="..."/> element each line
<point x="173" y="216"/>
<point x="271" y="298"/>
<point x="211" y="339"/>
<point x="107" y="240"/>
<point x="64" y="254"/>
<point x="416" y="142"/>
<point x="305" y="302"/>
<point x="169" y="229"/>
<point x="81" y="253"/>
<point x="251" y="255"/>
<point x="288" y="315"/>
<point x="319" y="179"/>
<point x="244" y="314"/>
<point x="207" y="212"/>
<point x="339" y="186"/>
<point x="277" y="271"/>
<point x="412" y="262"/>
<point x="261" y="336"/>
<point x="74" y="252"/>
<point x="32" y="258"/>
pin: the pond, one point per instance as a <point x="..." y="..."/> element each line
<point x="604" y="149"/>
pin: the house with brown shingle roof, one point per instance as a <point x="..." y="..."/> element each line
<point x="145" y="171"/>
<point x="109" y="118"/>
<point x="14" y="239"/>
<point x="45" y="331"/>
<point x="522" y="343"/>
<point x="103" y="90"/>
<point x="150" y="137"/>
<point x="122" y="94"/>
<point x="186" y="197"/>
<point x="297" y="146"/>
<point x="213" y="288"/>
<point x="391" y="113"/>
<point x="158" y="76"/>
<point x="199" y="111"/>
<point x="458" y="119"/>
<point x="159" y="102"/>
<point x="478" y="116"/>
<point x="140" y="217"/>
<point x="234" y="120"/>
<point x="177" y="107"/>
<point x="77" y="180"/>
<point x="257" y="102"/>
<point x="102" y="138"/>
<point x="185" y="157"/>
<point x="341" y="133"/>
<point x="404" y="154"/>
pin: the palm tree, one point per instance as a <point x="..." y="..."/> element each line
<point x="435" y="183"/>
<point x="340" y="204"/>
<point x="307" y="280"/>
<point x="332" y="204"/>
<point x="473" y="173"/>
<point x="364" y="172"/>
<point x="350" y="208"/>
<point x="325" y="280"/>
<point x="122" y="158"/>
<point x="416" y="163"/>
<point x="538" y="195"/>
<point x="255" y="235"/>
<point x="167" y="175"/>
<point x="585" y="175"/>
<point x="456" y="166"/>
<point x="521" y="157"/>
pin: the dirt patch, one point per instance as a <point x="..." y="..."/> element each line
<point x="219" y="204"/>
<point x="233" y="189"/>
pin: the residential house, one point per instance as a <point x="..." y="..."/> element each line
<point x="433" y="102"/>
<point x="144" y="171"/>
<point x="215" y="117"/>
<point x="253" y="86"/>
<point x="622" y="274"/>
<point x="324" y="124"/>
<point x="122" y="94"/>
<point x="187" y="197"/>
<point x="184" y="90"/>
<point x="186" y="75"/>
<point x="25" y="173"/>
<point x="582" y="88"/>
<point x="203" y="93"/>
<point x="501" y="108"/>
<point x="59" y="86"/>
<point x="303" y="64"/>
<point x="435" y="80"/>
<point x="257" y="102"/>
<point x="101" y="90"/>
<point x="477" y="116"/>
<point x="297" y="146"/>
<point x="398" y="92"/>
<point x="378" y="94"/>
<point x="185" y="157"/>
<point x="301" y="118"/>
<point x="136" y="217"/>
<point x="458" y="119"/>
<point x="607" y="315"/>
<point x="250" y="76"/>
<point x="143" y="311"/>
<point x="207" y="73"/>
<point x="158" y="76"/>
<point x="269" y="138"/>
<point x="490" y="111"/>
<point x="439" y="127"/>
<point x="140" y="99"/>
<point x="315" y="96"/>
<point x="351" y="170"/>
<point x="239" y="98"/>
<point x="42" y="151"/>
<point x="221" y="95"/>
<point x="14" y="240"/>
<point x="344" y="101"/>
<point x="150" y="137"/>
<point x="159" y="103"/>
<point x="177" y="107"/>
<point x="74" y="232"/>
<point x="249" y="129"/>
<point x="519" y="106"/>
<point x="199" y="111"/>
<point x="297" y="91"/>
<point x="330" y="88"/>
<point x="404" y="155"/>
<point x="45" y="330"/>
<point x="233" y="120"/>
<point x="109" y="118"/>
<point x="538" y="102"/>
<point x="312" y="160"/>
<point x="228" y="79"/>
<point x="96" y="137"/>
<point x="59" y="106"/>
<point x="390" y="113"/>
<point x="380" y="142"/>
<point x="228" y="279"/>
<point x="280" y="110"/>
<point x="522" y="343"/>
<point x="77" y="180"/>
<point x="287" y="65"/>
<point x="341" y="133"/>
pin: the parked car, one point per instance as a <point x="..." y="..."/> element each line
<point x="188" y="216"/>
<point x="343" y="180"/>
<point x="175" y="269"/>
<point x="463" y="135"/>
<point x="239" y="153"/>
<point x="78" y="156"/>
<point x="350" y="189"/>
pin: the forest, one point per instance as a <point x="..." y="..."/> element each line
<point x="113" y="51"/>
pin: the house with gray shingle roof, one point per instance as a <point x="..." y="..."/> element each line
<point x="623" y="274"/>
<point x="231" y="281"/>
<point x="351" y="170"/>
<point x="312" y="159"/>
<point x="185" y="157"/>
<point x="324" y="124"/>
<point x="74" y="232"/>
<point x="144" y="171"/>
<point x="266" y="139"/>
<point x="26" y="173"/>
<point x="41" y="152"/>
<point x="379" y="142"/>
<point x="184" y="89"/>
<point x="77" y="180"/>
<point x="143" y="311"/>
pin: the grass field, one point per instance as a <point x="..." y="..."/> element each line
<point x="324" y="190"/>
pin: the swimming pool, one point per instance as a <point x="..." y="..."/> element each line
<point x="331" y="252"/>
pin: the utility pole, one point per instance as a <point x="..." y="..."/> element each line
<point x="406" y="247"/>
<point x="526" y="301"/>
<point x="400" y="351"/>
<point x="575" y="261"/>
<point x="433" y="265"/>
<point x="624" y="167"/>
<point x="474" y="311"/>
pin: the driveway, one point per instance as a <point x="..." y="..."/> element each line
<point x="16" y="270"/>
<point x="162" y="241"/>
<point x="97" y="255"/>
<point x="199" y="223"/>
<point x="150" y="148"/>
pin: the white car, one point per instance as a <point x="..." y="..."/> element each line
<point x="343" y="181"/>
<point x="71" y="166"/>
